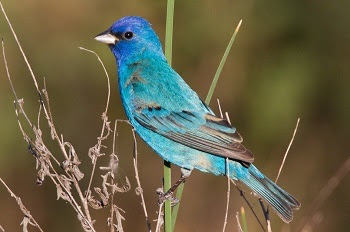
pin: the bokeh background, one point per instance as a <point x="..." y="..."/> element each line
<point x="290" y="59"/>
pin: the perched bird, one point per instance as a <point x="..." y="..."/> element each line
<point x="171" y="118"/>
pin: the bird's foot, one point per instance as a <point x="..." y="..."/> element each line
<point x="166" y="196"/>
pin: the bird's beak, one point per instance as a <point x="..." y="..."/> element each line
<point x="107" y="38"/>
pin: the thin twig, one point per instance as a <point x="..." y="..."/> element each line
<point x="285" y="155"/>
<point x="46" y="114"/>
<point x="221" y="115"/>
<point x="112" y="205"/>
<point x="24" y="210"/>
<point x="73" y="202"/>
<point x="160" y="217"/>
<point x="27" y="63"/>
<point x="248" y="203"/>
<point x="61" y="144"/>
<point x="49" y="118"/>
<point x="112" y="179"/>
<point x="139" y="190"/>
<point x="228" y="118"/>
<point x="227" y="174"/>
<point x="241" y="191"/>
<point x="104" y="117"/>
<point x="114" y="137"/>
<point x="268" y="226"/>
<point x="30" y="142"/>
<point x="239" y="227"/>
<point x="228" y="193"/>
<point x="20" y="48"/>
<point x="266" y="213"/>
<point x="18" y="101"/>
<point x="104" y="69"/>
<point x="266" y="210"/>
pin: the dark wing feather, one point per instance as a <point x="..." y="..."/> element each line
<point x="206" y="133"/>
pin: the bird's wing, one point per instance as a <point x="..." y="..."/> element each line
<point x="204" y="132"/>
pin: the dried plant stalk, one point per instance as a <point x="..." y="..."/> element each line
<point x="28" y="218"/>
<point x="139" y="190"/>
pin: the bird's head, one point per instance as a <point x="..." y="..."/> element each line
<point x="131" y="38"/>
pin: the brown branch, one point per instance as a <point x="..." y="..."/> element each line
<point x="227" y="174"/>
<point x="112" y="179"/>
<point x="285" y="155"/>
<point x="240" y="191"/>
<point x="24" y="210"/>
<point x="58" y="182"/>
<point x="228" y="193"/>
<point x="266" y="210"/>
<point x="38" y="136"/>
<point x="239" y="227"/>
<point x="249" y="205"/>
<point x="112" y="170"/>
<point x="266" y="213"/>
<point x="219" y="106"/>
<point x="104" y="124"/>
<point x="47" y="114"/>
<point x="139" y="190"/>
<point x="61" y="144"/>
<point x="160" y="218"/>
<point x="20" y="48"/>
<point x="18" y="101"/>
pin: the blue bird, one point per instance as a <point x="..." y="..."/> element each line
<point x="172" y="119"/>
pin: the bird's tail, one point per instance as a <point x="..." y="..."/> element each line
<point x="281" y="201"/>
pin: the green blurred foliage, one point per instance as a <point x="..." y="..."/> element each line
<point x="290" y="59"/>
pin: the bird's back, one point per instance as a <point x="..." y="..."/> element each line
<point x="152" y="82"/>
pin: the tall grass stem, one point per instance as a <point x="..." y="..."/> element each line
<point x="221" y="65"/>
<point x="168" y="227"/>
<point x="207" y="101"/>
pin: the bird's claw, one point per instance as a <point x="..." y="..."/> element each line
<point x="166" y="196"/>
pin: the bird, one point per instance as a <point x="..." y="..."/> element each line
<point x="173" y="120"/>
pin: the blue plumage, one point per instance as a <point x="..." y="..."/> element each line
<point x="170" y="117"/>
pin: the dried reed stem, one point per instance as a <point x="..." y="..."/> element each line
<point x="34" y="146"/>
<point x="24" y="210"/>
<point x="104" y="118"/>
<point x="249" y="205"/>
<point x="266" y="211"/>
<point x="228" y="194"/>
<point x="227" y="175"/>
<point x="285" y="155"/>
<point x="139" y="190"/>
<point x="239" y="227"/>
<point x="160" y="218"/>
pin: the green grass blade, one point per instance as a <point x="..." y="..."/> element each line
<point x="176" y="207"/>
<point x="169" y="31"/>
<point x="244" y="220"/>
<point x="168" y="54"/>
<point x="207" y="101"/>
<point x="221" y="65"/>
<point x="167" y="205"/>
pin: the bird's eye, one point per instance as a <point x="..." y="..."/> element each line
<point x="128" y="35"/>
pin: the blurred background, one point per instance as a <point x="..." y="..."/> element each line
<point x="290" y="59"/>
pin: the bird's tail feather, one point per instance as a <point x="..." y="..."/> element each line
<point x="281" y="201"/>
